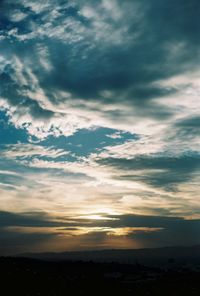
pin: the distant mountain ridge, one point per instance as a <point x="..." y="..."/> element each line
<point x="164" y="255"/>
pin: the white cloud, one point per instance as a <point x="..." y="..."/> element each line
<point x="28" y="150"/>
<point x="17" y="16"/>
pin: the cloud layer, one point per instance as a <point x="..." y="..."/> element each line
<point x="99" y="113"/>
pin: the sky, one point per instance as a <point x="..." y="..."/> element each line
<point x="99" y="124"/>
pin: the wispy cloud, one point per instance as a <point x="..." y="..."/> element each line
<point x="23" y="151"/>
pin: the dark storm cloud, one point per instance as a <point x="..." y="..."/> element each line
<point x="155" y="170"/>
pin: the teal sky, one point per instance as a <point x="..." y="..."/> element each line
<point x="99" y="124"/>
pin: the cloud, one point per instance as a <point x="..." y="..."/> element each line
<point x="187" y="129"/>
<point x="23" y="151"/>
<point x="99" y="107"/>
<point x="31" y="219"/>
<point x="66" y="58"/>
<point x="25" y="232"/>
<point x="159" y="171"/>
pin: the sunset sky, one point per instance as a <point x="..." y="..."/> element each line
<point x="99" y="124"/>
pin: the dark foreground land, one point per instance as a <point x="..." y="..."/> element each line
<point x="21" y="276"/>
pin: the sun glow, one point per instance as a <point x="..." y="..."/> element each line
<point x="100" y="214"/>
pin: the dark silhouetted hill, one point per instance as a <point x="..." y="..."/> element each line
<point x="156" y="256"/>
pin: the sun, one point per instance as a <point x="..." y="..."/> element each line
<point x="100" y="213"/>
